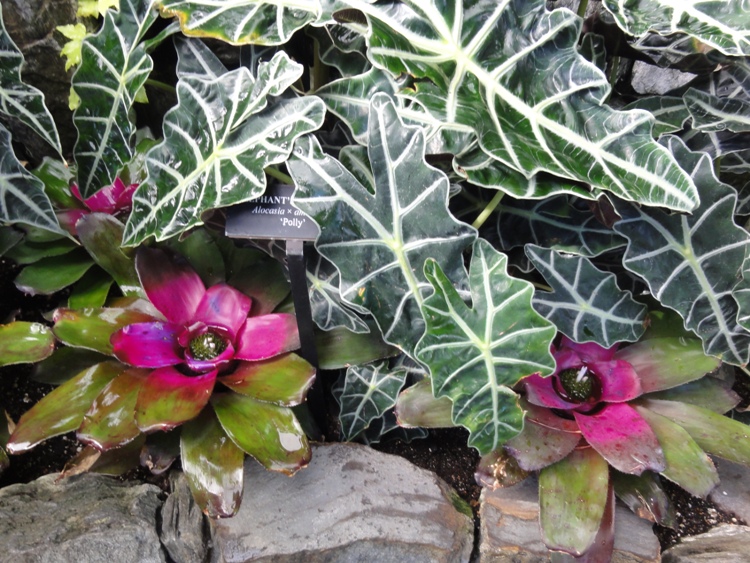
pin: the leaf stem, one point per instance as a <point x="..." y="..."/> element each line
<point x="161" y="85"/>
<point x="488" y="210"/>
<point x="279" y="175"/>
<point x="319" y="70"/>
<point x="541" y="286"/>
<point x="582" y="8"/>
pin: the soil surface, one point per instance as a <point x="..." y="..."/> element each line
<point x="444" y="451"/>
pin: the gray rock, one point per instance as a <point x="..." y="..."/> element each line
<point x="350" y="504"/>
<point x="85" y="518"/>
<point x="184" y="528"/>
<point x="651" y="79"/>
<point x="724" y="544"/>
<point x="510" y="531"/>
<point x="732" y="494"/>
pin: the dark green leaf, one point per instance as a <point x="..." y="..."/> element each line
<point x="476" y="355"/>
<point x="586" y="305"/>
<point x="379" y="242"/>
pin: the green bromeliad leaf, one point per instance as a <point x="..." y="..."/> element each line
<point x="692" y="262"/>
<point x="226" y="128"/>
<point x="553" y="223"/>
<point x="113" y="69"/>
<point x="476" y="355"/>
<point x="20" y="100"/>
<point x="379" y="241"/>
<point x="511" y="71"/>
<point x="368" y="392"/>
<point x="239" y="22"/>
<point x="722" y="25"/>
<point x="22" y="197"/>
<point x="23" y="342"/>
<point x="586" y="304"/>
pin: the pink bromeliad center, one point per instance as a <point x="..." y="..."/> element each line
<point x="204" y="330"/>
<point x="578" y="385"/>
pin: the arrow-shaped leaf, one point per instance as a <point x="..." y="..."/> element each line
<point x="476" y="355"/>
<point x="670" y="113"/>
<point x="554" y="223"/>
<point x="349" y="99"/>
<point x="20" y="100"/>
<point x="217" y="141"/>
<point x="713" y="113"/>
<point x="22" y="197"/>
<point x="328" y="310"/>
<point x="369" y="391"/>
<point x="586" y="304"/>
<point x="243" y="21"/>
<point x="511" y="71"/>
<point x="692" y="262"/>
<point x="722" y="25"/>
<point x="380" y="241"/>
<point x="114" y="67"/>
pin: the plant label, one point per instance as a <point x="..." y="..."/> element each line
<point x="271" y="216"/>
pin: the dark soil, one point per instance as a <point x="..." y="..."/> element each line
<point x="444" y="451"/>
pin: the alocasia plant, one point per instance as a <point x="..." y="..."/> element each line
<point x="423" y="138"/>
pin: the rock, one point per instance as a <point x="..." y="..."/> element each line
<point x="509" y="531"/>
<point x="350" y="504"/>
<point x="184" y="529"/>
<point x="727" y="543"/>
<point x="31" y="24"/>
<point x="83" y="518"/>
<point x="651" y="79"/>
<point x="732" y="494"/>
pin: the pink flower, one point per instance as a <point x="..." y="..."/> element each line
<point x="205" y="333"/>
<point x="592" y="387"/>
<point x="114" y="199"/>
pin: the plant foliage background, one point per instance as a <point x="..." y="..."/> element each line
<point x="485" y="174"/>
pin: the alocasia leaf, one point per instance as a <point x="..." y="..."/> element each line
<point x="722" y="25"/>
<point x="380" y="241"/>
<point x="259" y="22"/>
<point x="368" y="392"/>
<point x="20" y="100"/>
<point x="511" y="71"/>
<point x="211" y="156"/>
<point x="553" y="223"/>
<point x="114" y="67"/>
<point x="477" y="354"/>
<point x="328" y="310"/>
<point x="349" y="99"/>
<point x="586" y="304"/>
<point x="481" y="169"/>
<point x="349" y="62"/>
<point x="712" y="113"/>
<point x="670" y="113"/>
<point x="22" y="197"/>
<point x="692" y="262"/>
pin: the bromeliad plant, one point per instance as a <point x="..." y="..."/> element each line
<point x="422" y="136"/>
<point x="208" y="360"/>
